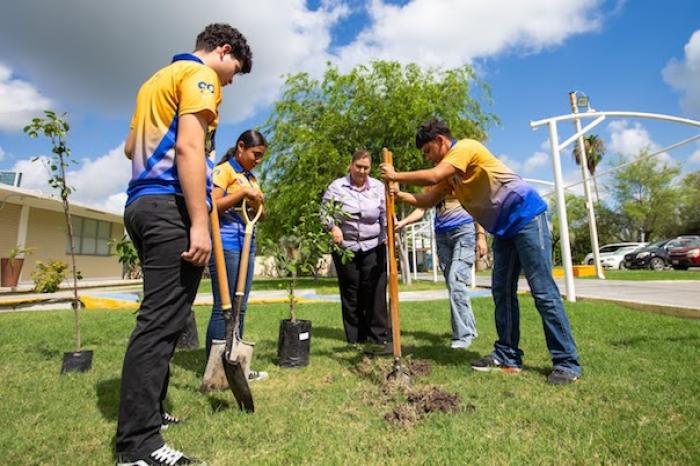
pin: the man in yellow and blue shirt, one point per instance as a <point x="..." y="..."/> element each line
<point x="513" y="212"/>
<point x="459" y="242"/>
<point x="167" y="218"/>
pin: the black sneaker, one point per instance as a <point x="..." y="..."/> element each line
<point x="378" y="349"/>
<point x="490" y="363"/>
<point x="168" y="419"/>
<point x="561" y="377"/>
<point x="165" y="456"/>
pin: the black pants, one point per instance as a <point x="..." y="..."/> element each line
<point x="362" y="284"/>
<point x="159" y="227"/>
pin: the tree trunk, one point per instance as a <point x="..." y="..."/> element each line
<point x="66" y="211"/>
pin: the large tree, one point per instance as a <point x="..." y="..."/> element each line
<point x="689" y="211"/>
<point x="317" y="124"/>
<point x="609" y="227"/>
<point x="646" y="197"/>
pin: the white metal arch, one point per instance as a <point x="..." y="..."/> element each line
<point x="599" y="117"/>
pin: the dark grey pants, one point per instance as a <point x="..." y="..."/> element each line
<point x="159" y="227"/>
<point x="362" y="283"/>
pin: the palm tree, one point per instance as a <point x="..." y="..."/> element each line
<point x="595" y="150"/>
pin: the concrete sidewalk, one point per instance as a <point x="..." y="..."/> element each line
<point x="674" y="297"/>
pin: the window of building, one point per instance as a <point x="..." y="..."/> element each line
<point x="91" y="236"/>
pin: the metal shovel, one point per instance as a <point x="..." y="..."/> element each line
<point x="229" y="361"/>
<point x="239" y="353"/>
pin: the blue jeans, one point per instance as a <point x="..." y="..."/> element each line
<point x="530" y="250"/>
<point x="455" y="249"/>
<point x="216" y="328"/>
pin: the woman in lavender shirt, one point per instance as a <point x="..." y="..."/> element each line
<point x="362" y="280"/>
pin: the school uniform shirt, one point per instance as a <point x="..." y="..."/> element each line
<point x="185" y="86"/>
<point x="231" y="176"/>
<point x="449" y="213"/>
<point x="496" y="197"/>
<point x="365" y="226"/>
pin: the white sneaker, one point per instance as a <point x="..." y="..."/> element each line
<point x="257" y="375"/>
<point x="165" y="456"/>
<point x="166" y="419"/>
<point x="460" y="344"/>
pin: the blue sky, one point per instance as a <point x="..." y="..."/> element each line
<point x="625" y="55"/>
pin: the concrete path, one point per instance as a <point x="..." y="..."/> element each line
<point x="675" y="297"/>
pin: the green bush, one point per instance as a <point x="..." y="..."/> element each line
<point x="47" y="277"/>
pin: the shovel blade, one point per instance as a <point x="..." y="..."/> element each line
<point x="238" y="383"/>
<point x="399" y="375"/>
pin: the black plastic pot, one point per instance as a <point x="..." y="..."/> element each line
<point x="294" y="343"/>
<point x="76" y="361"/>
<point x="189" y="339"/>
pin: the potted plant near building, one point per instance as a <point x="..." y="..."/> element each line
<point x="11" y="266"/>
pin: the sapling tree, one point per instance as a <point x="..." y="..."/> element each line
<point x="300" y="250"/>
<point x="56" y="128"/>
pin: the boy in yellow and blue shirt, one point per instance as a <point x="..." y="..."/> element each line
<point x="513" y="212"/>
<point x="166" y="216"/>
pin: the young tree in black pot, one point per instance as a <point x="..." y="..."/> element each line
<point x="299" y="253"/>
<point x="56" y="129"/>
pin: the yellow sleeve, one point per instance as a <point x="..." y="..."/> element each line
<point x="199" y="90"/>
<point x="223" y="176"/>
<point x="462" y="154"/>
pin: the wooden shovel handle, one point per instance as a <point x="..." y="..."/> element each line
<point x="391" y="256"/>
<point x="245" y="252"/>
<point x="218" y="247"/>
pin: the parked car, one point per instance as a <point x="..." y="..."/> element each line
<point x="616" y="259"/>
<point x="609" y="249"/>
<point x="686" y="254"/>
<point x="652" y="256"/>
<point x="655" y="256"/>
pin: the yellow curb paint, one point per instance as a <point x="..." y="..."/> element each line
<point x="92" y="302"/>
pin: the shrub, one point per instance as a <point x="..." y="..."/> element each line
<point x="47" y="277"/>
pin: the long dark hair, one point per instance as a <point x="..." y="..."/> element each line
<point x="250" y="138"/>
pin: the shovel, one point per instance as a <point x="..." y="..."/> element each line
<point x="397" y="373"/>
<point x="229" y="360"/>
<point x="239" y="353"/>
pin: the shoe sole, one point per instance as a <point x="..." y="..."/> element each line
<point x="504" y="369"/>
<point x="568" y="382"/>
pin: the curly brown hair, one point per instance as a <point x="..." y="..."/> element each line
<point x="217" y="34"/>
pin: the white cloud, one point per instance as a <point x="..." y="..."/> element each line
<point x="510" y="162"/>
<point x="101" y="52"/>
<point x="95" y="181"/>
<point x="449" y="32"/>
<point x="99" y="182"/>
<point x="537" y="160"/>
<point x="683" y="75"/>
<point x="2" y="154"/>
<point x="629" y="140"/>
<point x="695" y="157"/>
<point x="35" y="173"/>
<point x="19" y="102"/>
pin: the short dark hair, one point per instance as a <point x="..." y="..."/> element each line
<point x="361" y="154"/>
<point x="217" y="34"/>
<point x="431" y="129"/>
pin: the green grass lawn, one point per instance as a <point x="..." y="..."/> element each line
<point x="637" y="402"/>
<point x="651" y="275"/>
<point x="322" y="285"/>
